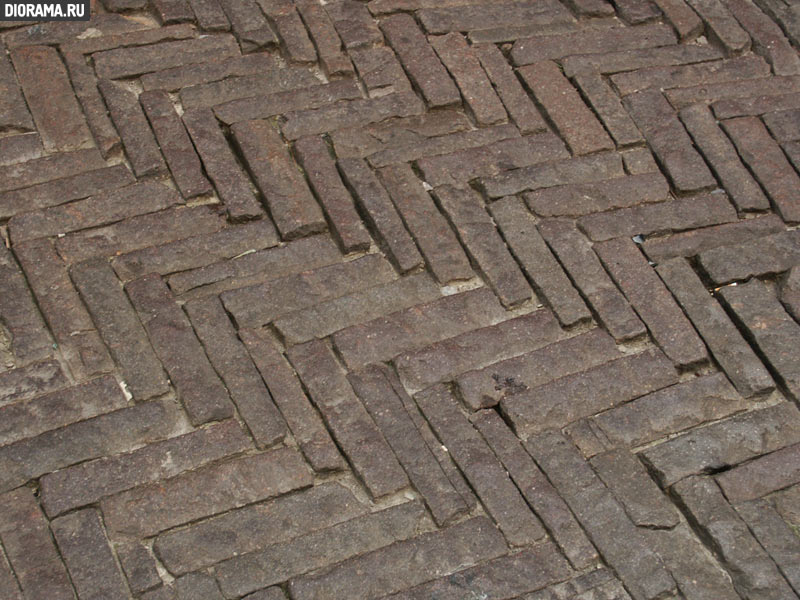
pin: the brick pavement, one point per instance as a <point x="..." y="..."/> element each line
<point x="433" y="299"/>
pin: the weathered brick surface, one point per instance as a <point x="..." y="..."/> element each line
<point x="26" y="382"/>
<point x="757" y="256"/>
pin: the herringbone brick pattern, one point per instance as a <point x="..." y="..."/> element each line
<point x="433" y="299"/>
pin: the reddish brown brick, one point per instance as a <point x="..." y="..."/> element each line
<point x="759" y="256"/>
<point x="683" y="18"/>
<point x="733" y="91"/>
<point x="722" y="28"/>
<point x="326" y="39"/>
<point x="380" y="70"/>
<point x="13" y="108"/>
<point x="49" y="168"/>
<point x="461" y="16"/>
<point x="26" y="382"/>
<point x="354" y="23"/>
<point x="289" y="27"/>
<point x="175" y="78"/>
<point x="609" y="108"/>
<point x="615" y="61"/>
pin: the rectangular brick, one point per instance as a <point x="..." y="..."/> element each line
<point x="324" y="319"/>
<point x="654" y="304"/>
<point x="12" y="106"/>
<point x="721" y="26"/>
<point x="8" y="582"/>
<point x="614" y="61"/>
<point x="683" y="18"/>
<point x="767" y="37"/>
<point x="60" y="191"/>
<point x="110" y="433"/>
<point x="25" y="419"/>
<point x="672" y="215"/>
<point x="465" y="16"/>
<point x="63" y="310"/>
<point x="313" y="154"/>
<point x="126" y="62"/>
<point x="765" y="255"/>
<point x="150" y="509"/>
<point x="174" y="223"/>
<point x="609" y="109"/>
<point x="344" y="414"/>
<point x="210" y="15"/>
<point x="405" y="563"/>
<point x="322" y="30"/>
<point x="50" y="99"/>
<point x="579" y="199"/>
<point x="29" y="547"/>
<point x="199" y="387"/>
<point x="442" y="361"/>
<point x="768" y="163"/>
<point x="565" y="400"/>
<point x="253" y="528"/>
<point x="425" y="222"/>
<point x="384" y="398"/>
<point x="183" y="162"/>
<point x="784" y="125"/>
<point x="536" y="489"/>
<point x="275" y="79"/>
<point x="291" y="204"/>
<point x="790" y="292"/>
<point x="122" y="32"/>
<point x="760" y="315"/>
<point x="354" y="23"/>
<point x="221" y="166"/>
<point x="290" y="29"/>
<point x="724" y="341"/>
<point x="669" y="141"/>
<point x="360" y="535"/>
<point x="88" y="555"/>
<point x="480" y="97"/>
<point x="196" y="252"/>
<point x="600" y="582"/>
<point x="27" y="382"/>
<point x="249" y="24"/>
<point x="579" y="260"/>
<point x="140" y="144"/>
<point x="380" y="70"/>
<point x="620" y="542"/>
<point x="575" y="122"/>
<point x="231" y="361"/>
<point x="381" y="214"/>
<point x="762" y="476"/>
<point x="486" y="387"/>
<point x="287" y="392"/>
<point x="89" y="482"/>
<point x="549" y="280"/>
<point x="420" y="61"/>
<point x="725" y="443"/>
<point x="735" y="90"/>
<point x="175" y="78"/>
<point x="48" y="168"/>
<point x="21" y="147"/>
<point x="582" y="169"/>
<point x="754" y="105"/>
<point x="258" y="305"/>
<point x="599" y="41"/>
<point x="95" y="211"/>
<point x="383" y="338"/>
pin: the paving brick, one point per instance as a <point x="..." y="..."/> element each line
<point x="287" y="393"/>
<point x="725" y="443"/>
<point x="380" y="70"/>
<point x="20" y="316"/>
<point x="197" y="251"/>
<point x="570" y="398"/>
<point x="323" y="319"/>
<point x="579" y="127"/>
<point x="124" y="34"/>
<point x="637" y="11"/>
<point x="29" y="548"/>
<point x="270" y="593"/>
<point x="732" y="90"/>
<point x="615" y="61"/>
<point x="578" y="259"/>
<point x="174" y="223"/>
<point x="358" y="536"/>
<point x="436" y="240"/>
<point x="669" y="141"/>
<point x="63" y="190"/>
<point x="444" y="360"/>
<point x="249" y="25"/>
<point x="28" y="418"/>
<point x="475" y="86"/>
<point x="461" y="166"/>
<point x="538" y="263"/>
<point x="761" y="476"/>
<point x="767" y="38"/>
<point x="290" y="29"/>
<point x="784" y="125"/>
<point x="13" y="108"/>
<point x="61" y="307"/>
<point x="617" y="538"/>
<point x="199" y="388"/>
<point x="206" y="491"/>
<point x="582" y="169"/>
<point x="752" y="571"/>
<point x="139" y="566"/>
<point x="175" y="78"/>
<point x="790" y="292"/>
<point x="406" y="563"/>
<point x="112" y="432"/>
<point x="140" y="144"/>
<point x="354" y="23"/>
<point x="758" y="256"/>
<point x="754" y="105"/>
<point x="381" y="214"/>
<point x="536" y="489"/>
<point x="759" y="313"/>
<point x="256" y="527"/>
<point x="384" y="398"/>
<point x="183" y="162"/>
<point x="48" y="168"/>
<point x="19" y="148"/>
<point x="211" y="17"/>
<point x="722" y="27"/>
<point x="609" y="109"/>
<point x="768" y="163"/>
<point x="466" y="17"/>
<point x="173" y="11"/>
<point x="685" y="20"/>
<point x="594" y="584"/>
<point x="314" y="155"/>
<point x="221" y="166"/>
<point x="531" y="50"/>
<point x="598" y="196"/>
<point x="246" y="269"/>
<point x="344" y="414"/>
<point x="8" y="582"/>
<point x="486" y="387"/>
<point x="639" y="161"/>
<point x="420" y="61"/>
<point x="258" y="305"/>
<point x="95" y="211"/>
<point x="326" y="39"/>
<point x="35" y="379"/>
